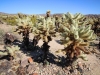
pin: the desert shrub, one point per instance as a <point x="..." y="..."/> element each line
<point x="9" y="20"/>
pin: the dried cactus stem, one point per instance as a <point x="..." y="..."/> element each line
<point x="82" y="49"/>
<point x="57" y="23"/>
<point x="99" y="44"/>
<point x="73" y="51"/>
<point x="11" y="58"/>
<point x="48" y="14"/>
<point x="26" y="37"/>
<point x="36" y="40"/>
<point x="45" y="48"/>
<point x="26" y="41"/>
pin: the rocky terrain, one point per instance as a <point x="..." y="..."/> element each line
<point x="30" y="62"/>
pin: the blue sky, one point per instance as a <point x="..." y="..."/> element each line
<point x="56" y="6"/>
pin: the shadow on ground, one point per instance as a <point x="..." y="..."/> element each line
<point x="38" y="54"/>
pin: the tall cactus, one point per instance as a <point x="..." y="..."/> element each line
<point x="58" y="20"/>
<point x="75" y="35"/>
<point x="45" y="29"/>
<point x="25" y="26"/>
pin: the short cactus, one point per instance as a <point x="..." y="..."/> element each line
<point x="10" y="51"/>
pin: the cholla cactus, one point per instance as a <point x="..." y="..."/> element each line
<point x="10" y="51"/>
<point x="3" y="53"/>
<point x="33" y="19"/>
<point x="45" y="28"/>
<point x="48" y="13"/>
<point x="74" y="37"/>
<point x="69" y="19"/>
<point x="21" y="15"/>
<point x="25" y="27"/>
<point x="94" y="21"/>
<point x="23" y="24"/>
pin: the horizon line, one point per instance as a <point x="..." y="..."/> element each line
<point x="45" y="13"/>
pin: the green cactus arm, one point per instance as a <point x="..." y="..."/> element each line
<point x="64" y="34"/>
<point x="76" y="15"/>
<point x="76" y="35"/>
<point x="65" y="29"/>
<point x="15" y="48"/>
<point x="63" y="16"/>
<point x="10" y="51"/>
<point x="3" y="53"/>
<point x="70" y="15"/>
<point x="83" y="56"/>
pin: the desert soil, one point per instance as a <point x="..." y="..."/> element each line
<point x="56" y="64"/>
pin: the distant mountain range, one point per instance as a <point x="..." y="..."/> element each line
<point x="58" y="14"/>
<point x="2" y="13"/>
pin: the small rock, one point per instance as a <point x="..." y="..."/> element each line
<point x="24" y="62"/>
<point x="15" y="63"/>
<point x="30" y="60"/>
<point x="84" y="65"/>
<point x="31" y="67"/>
<point x="88" y="68"/>
<point x="80" y="65"/>
<point x="68" y="68"/>
<point x="54" y="68"/>
<point x="21" y="71"/>
<point x="3" y="73"/>
<point x="10" y="73"/>
<point x="13" y="69"/>
<point x="5" y="66"/>
<point x="75" y="72"/>
<point x="69" y="73"/>
<point x="35" y="74"/>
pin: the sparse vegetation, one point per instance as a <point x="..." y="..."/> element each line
<point x="9" y="20"/>
<point x="76" y="32"/>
